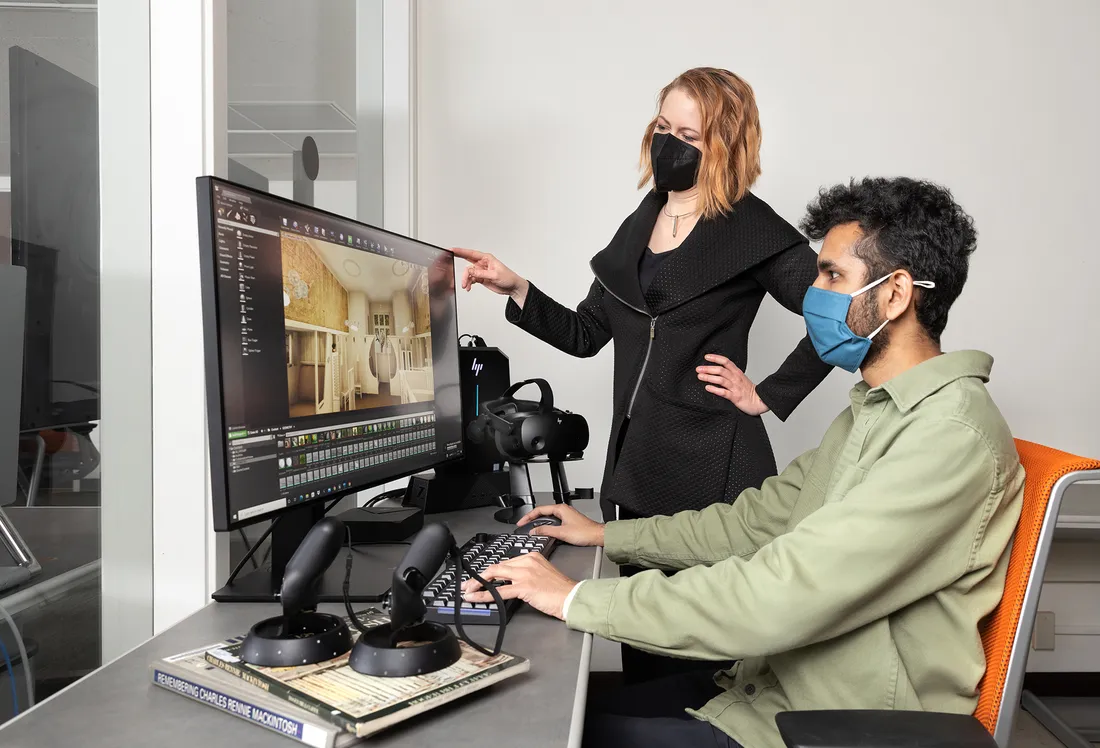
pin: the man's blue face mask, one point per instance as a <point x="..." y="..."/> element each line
<point x="826" y="315"/>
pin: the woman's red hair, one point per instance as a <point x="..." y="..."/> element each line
<point x="731" y="137"/>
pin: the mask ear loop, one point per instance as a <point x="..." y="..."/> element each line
<point x="869" y="286"/>
<point x="879" y="329"/>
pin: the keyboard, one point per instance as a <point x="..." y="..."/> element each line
<point x="480" y="551"/>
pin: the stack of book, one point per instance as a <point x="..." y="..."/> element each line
<point x="327" y="705"/>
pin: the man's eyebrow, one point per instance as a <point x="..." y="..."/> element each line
<point x="826" y="265"/>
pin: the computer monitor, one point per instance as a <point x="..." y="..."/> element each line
<point x="331" y="363"/>
<point x="17" y="562"/>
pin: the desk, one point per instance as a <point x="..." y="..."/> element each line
<point x="117" y="705"/>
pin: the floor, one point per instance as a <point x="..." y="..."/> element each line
<point x="1028" y="733"/>
<point x="362" y="402"/>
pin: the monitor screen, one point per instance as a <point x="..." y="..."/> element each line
<point x="331" y="353"/>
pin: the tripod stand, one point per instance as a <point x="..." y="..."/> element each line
<point x="521" y="497"/>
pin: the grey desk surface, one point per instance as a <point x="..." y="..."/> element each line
<point x="64" y="540"/>
<point x="118" y="706"/>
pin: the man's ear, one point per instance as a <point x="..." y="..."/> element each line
<point x="899" y="294"/>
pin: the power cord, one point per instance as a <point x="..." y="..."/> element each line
<point x="26" y="660"/>
<point x="394" y="494"/>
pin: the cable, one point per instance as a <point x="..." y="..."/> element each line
<point x="347" y="587"/>
<point x="395" y="493"/>
<point x="460" y="563"/>
<point x="23" y="654"/>
<point x="491" y="587"/>
<point x="11" y="677"/>
<point x="253" y="549"/>
<point x="476" y="341"/>
<point x="240" y="531"/>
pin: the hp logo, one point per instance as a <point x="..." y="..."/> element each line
<point x="477" y="367"/>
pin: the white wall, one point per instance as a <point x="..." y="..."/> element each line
<point x="530" y="121"/>
<point x="530" y="116"/>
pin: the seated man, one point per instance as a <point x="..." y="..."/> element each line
<point x="857" y="577"/>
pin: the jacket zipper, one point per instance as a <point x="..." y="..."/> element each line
<point x="645" y="363"/>
<point x="649" y="345"/>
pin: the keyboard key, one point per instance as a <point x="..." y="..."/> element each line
<point x="479" y="554"/>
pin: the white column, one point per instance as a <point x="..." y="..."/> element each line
<point x="126" y="514"/>
<point x="399" y="32"/>
<point x="368" y="110"/>
<point x="386" y="122"/>
<point x="188" y="139"/>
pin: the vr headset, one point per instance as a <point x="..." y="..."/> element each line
<point x="524" y="429"/>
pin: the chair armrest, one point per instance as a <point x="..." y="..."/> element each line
<point x="881" y="729"/>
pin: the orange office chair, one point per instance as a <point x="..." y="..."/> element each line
<point x="1006" y="637"/>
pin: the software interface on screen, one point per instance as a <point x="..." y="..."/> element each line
<point x="339" y="352"/>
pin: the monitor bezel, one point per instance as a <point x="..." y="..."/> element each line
<point x="215" y="391"/>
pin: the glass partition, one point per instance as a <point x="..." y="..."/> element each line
<point x="50" y="411"/>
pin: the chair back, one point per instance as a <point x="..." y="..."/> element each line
<point x="1006" y="632"/>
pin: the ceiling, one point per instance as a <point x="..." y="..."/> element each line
<point x="291" y="73"/>
<point x="376" y="277"/>
<point x="63" y="36"/>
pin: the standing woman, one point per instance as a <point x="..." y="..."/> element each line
<point x="677" y="290"/>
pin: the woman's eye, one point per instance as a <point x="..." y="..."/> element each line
<point x="662" y="128"/>
<point x="689" y="138"/>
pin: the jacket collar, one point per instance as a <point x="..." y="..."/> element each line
<point x="716" y="251"/>
<point x="616" y="267"/>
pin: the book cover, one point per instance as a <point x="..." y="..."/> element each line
<point x="189" y="674"/>
<point x="363" y="704"/>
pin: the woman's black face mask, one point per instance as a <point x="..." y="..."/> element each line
<point x="675" y="163"/>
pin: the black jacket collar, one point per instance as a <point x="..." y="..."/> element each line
<point x="716" y="251"/>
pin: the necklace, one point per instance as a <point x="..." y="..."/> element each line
<point x="676" y="218"/>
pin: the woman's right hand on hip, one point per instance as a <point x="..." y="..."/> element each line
<point x="490" y="272"/>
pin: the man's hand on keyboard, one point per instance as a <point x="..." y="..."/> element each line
<point x="575" y="528"/>
<point x="531" y="578"/>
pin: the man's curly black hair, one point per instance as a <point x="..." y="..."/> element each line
<point x="907" y="224"/>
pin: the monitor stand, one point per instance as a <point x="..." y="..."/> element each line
<point x="520" y="498"/>
<point x="371" y="574"/>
